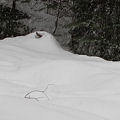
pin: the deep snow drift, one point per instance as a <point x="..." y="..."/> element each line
<point x="41" y="81"/>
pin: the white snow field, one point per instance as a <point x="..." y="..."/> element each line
<point x="41" y="81"/>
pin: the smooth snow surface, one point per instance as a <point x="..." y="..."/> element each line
<point x="41" y="81"/>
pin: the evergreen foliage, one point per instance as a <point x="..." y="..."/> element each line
<point x="96" y="28"/>
<point x="10" y="24"/>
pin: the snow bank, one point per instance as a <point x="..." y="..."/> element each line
<point x="57" y="84"/>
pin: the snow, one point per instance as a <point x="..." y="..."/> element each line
<point x="41" y="81"/>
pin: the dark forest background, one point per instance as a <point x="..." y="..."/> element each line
<point x="87" y="27"/>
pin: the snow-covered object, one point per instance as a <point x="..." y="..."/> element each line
<point x="41" y="81"/>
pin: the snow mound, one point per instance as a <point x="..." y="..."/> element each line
<point x="46" y="43"/>
<point x="67" y="86"/>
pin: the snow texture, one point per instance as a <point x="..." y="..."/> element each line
<point x="41" y="81"/>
